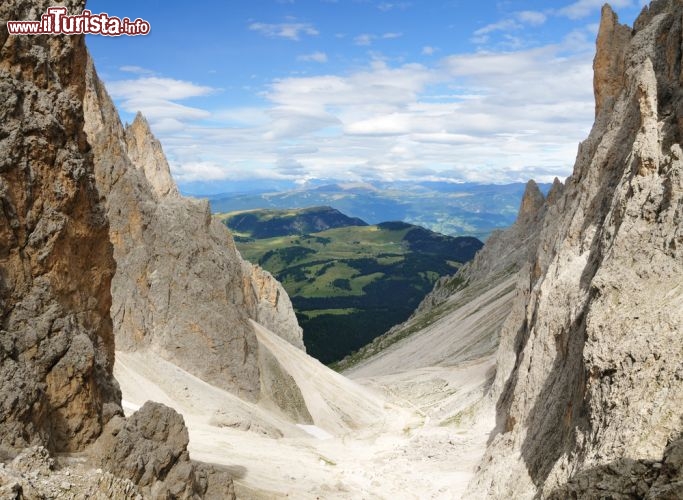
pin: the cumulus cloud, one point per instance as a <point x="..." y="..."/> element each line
<point x="485" y="116"/>
<point x="377" y="87"/>
<point x="200" y="171"/>
<point x="290" y="166"/>
<point x="504" y="122"/>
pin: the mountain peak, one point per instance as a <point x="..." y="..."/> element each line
<point x="555" y="192"/>
<point x="146" y="154"/>
<point x="532" y="201"/>
<point x="608" y="65"/>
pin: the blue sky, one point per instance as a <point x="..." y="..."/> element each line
<point x="298" y="90"/>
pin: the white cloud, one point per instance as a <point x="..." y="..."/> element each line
<point x="156" y="96"/>
<point x="583" y="8"/>
<point x="428" y="50"/>
<point x="379" y="85"/>
<point x="505" y="123"/>
<point x="289" y="30"/>
<point x="136" y="70"/>
<point x="504" y="25"/>
<point x="288" y="123"/>
<point x="200" y="171"/>
<point x="157" y="88"/>
<point x="158" y="109"/>
<point x="388" y="6"/>
<point x="364" y="39"/>
<point x="319" y="57"/>
<point x="516" y="22"/>
<point x="531" y="17"/>
<point x="482" y="35"/>
<point x="486" y="116"/>
<point x="241" y="117"/>
<point x="367" y="38"/>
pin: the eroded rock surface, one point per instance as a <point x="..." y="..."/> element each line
<point x="590" y="372"/>
<point x="56" y="340"/>
<point x="56" y="266"/>
<point x="33" y="474"/>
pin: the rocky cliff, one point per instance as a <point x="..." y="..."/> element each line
<point x="56" y="264"/>
<point x="589" y="383"/>
<point x="57" y="388"/>
<point x="181" y="288"/>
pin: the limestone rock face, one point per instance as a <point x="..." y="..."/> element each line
<point x="590" y="373"/>
<point x="56" y="265"/>
<point x="608" y="65"/>
<point x="181" y="288"/>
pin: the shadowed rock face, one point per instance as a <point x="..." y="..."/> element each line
<point x="590" y="376"/>
<point x="181" y="288"/>
<point x="56" y="268"/>
<point x="56" y="341"/>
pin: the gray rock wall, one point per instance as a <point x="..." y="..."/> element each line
<point x="590" y="371"/>
<point x="181" y="288"/>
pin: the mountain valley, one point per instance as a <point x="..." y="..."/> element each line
<point x="349" y="282"/>
<point x="143" y="356"/>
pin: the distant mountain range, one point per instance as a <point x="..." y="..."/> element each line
<point x="271" y="223"/>
<point x="349" y="281"/>
<point x="454" y="209"/>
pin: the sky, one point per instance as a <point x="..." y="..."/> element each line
<point x="255" y="92"/>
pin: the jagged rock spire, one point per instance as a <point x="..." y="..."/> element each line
<point x="147" y="155"/>
<point x="532" y="201"/>
<point x="608" y="65"/>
